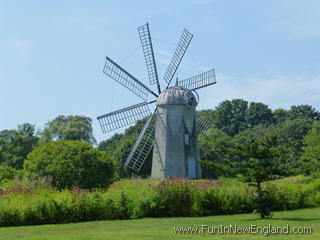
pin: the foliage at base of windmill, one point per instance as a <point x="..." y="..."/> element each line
<point x="145" y="198"/>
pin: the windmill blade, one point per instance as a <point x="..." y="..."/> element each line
<point x="143" y="145"/>
<point x="199" y="81"/>
<point x="183" y="44"/>
<point x="203" y="123"/>
<point x="145" y="38"/>
<point x="124" y="117"/>
<point x="117" y="73"/>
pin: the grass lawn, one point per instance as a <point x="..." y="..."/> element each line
<point x="162" y="228"/>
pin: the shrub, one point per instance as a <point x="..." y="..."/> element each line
<point x="287" y="196"/>
<point x="70" y="163"/>
<point x="148" y="198"/>
<point x="7" y="173"/>
<point x="227" y="200"/>
<point x="238" y="199"/>
<point x="210" y="201"/>
<point x="175" y="198"/>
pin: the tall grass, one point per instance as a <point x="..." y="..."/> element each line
<point x="31" y="204"/>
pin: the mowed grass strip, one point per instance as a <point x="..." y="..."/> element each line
<point x="162" y="228"/>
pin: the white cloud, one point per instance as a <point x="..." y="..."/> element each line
<point x="278" y="91"/>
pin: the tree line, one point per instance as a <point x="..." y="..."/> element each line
<point x="240" y="127"/>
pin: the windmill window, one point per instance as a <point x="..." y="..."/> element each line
<point x="190" y="101"/>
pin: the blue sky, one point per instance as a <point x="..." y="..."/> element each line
<point x="52" y="53"/>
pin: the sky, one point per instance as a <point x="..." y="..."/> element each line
<point x="52" y="53"/>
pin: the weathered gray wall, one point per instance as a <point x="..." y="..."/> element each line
<point x="170" y="151"/>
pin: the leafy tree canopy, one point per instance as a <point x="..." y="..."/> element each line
<point x="262" y="158"/>
<point x="303" y="111"/>
<point x="290" y="135"/>
<point x="68" y="128"/>
<point x="280" y="115"/>
<point x="292" y="132"/>
<point x="16" y="144"/>
<point x="310" y="157"/>
<point x="213" y="150"/>
<point x="258" y="113"/>
<point x="237" y="115"/>
<point x="230" y="116"/>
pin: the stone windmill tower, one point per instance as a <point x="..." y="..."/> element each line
<point x="172" y="127"/>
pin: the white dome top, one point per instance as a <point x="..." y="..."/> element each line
<point x="177" y="96"/>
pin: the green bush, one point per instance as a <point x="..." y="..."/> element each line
<point x="149" y="198"/>
<point x="175" y="198"/>
<point x="7" y="173"/>
<point x="227" y="200"/>
<point x="70" y="163"/>
<point x="290" y="195"/>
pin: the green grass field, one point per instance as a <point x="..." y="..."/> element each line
<point x="162" y="228"/>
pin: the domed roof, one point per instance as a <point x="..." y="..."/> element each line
<point x="177" y="96"/>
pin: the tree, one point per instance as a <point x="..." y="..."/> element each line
<point x="69" y="163"/>
<point x="255" y="155"/>
<point x="310" y="156"/>
<point x="109" y="144"/>
<point x="262" y="159"/>
<point x="16" y="144"/>
<point x="291" y="134"/>
<point x="213" y="150"/>
<point x="303" y="111"/>
<point x="5" y="135"/>
<point x="230" y="116"/>
<point x="280" y="115"/>
<point x="258" y="113"/>
<point x="68" y="128"/>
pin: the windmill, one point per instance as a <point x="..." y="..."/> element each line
<point x="172" y="127"/>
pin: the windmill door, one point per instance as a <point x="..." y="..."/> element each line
<point x="191" y="167"/>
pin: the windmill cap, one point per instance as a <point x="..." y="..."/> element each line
<point x="177" y="96"/>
